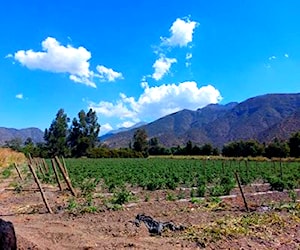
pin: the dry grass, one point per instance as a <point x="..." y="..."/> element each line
<point x="8" y="157"/>
<point x="263" y="226"/>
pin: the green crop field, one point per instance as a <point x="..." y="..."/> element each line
<point x="168" y="173"/>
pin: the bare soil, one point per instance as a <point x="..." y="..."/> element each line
<point x="108" y="229"/>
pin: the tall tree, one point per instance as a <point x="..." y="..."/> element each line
<point x="84" y="133"/>
<point x="188" y="148"/>
<point x="294" y="143"/>
<point x="140" y="143"/>
<point x="277" y="148"/>
<point x="56" y="135"/>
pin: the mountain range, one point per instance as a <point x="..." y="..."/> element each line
<point x="7" y="134"/>
<point x="261" y="118"/>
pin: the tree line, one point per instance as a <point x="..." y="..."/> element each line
<point x="242" y="148"/>
<point x="81" y="139"/>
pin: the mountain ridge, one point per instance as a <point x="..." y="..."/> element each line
<point x="255" y="118"/>
<point x="261" y="118"/>
<point x="7" y="134"/>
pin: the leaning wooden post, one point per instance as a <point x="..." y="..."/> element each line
<point x="39" y="166"/>
<point x="281" y="172"/>
<point x="66" y="177"/>
<point x="40" y="188"/>
<point x="65" y="166"/>
<point x="16" y="167"/>
<point x="45" y="166"/>
<point x="240" y="187"/>
<point x="56" y="174"/>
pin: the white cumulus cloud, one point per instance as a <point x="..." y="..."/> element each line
<point x="57" y="58"/>
<point x="162" y="67"/>
<point x="126" y="124"/>
<point x="181" y="33"/>
<point x="109" y="109"/>
<point x="108" y="74"/>
<point x="105" y="128"/>
<point x="19" y="96"/>
<point x="158" y="101"/>
<point x="85" y="80"/>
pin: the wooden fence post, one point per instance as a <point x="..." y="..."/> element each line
<point x="44" y="166"/>
<point x="240" y="187"/>
<point x="16" y="167"/>
<point x="56" y="175"/>
<point x="40" y="188"/>
<point x="66" y="177"/>
<point x="281" y="171"/>
<point x="39" y="165"/>
<point x="65" y="166"/>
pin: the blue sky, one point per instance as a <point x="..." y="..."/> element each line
<point x="135" y="61"/>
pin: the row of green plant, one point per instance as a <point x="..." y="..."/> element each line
<point x="205" y="178"/>
<point x="215" y="176"/>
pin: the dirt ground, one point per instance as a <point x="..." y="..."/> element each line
<point x="207" y="223"/>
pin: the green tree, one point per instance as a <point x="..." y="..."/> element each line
<point x="242" y="148"/>
<point x="56" y="135"/>
<point x="188" y="150"/>
<point x="28" y="147"/>
<point x="277" y="148"/>
<point x="232" y="149"/>
<point x="154" y="148"/>
<point x="140" y="143"/>
<point x="83" y="134"/>
<point x="294" y="143"/>
<point x="207" y="149"/>
<point x="252" y="148"/>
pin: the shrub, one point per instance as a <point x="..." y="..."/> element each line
<point x="217" y="190"/>
<point x="122" y="197"/>
<point x="276" y="183"/>
<point x="228" y="183"/>
<point x="6" y="173"/>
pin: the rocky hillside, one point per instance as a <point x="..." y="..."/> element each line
<point x="262" y="118"/>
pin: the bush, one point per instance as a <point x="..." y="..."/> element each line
<point x="122" y="197"/>
<point x="276" y="183"/>
<point x="217" y="190"/>
<point x="228" y="183"/>
<point x="223" y="186"/>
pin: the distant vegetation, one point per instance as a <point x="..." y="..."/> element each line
<point x="81" y="138"/>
